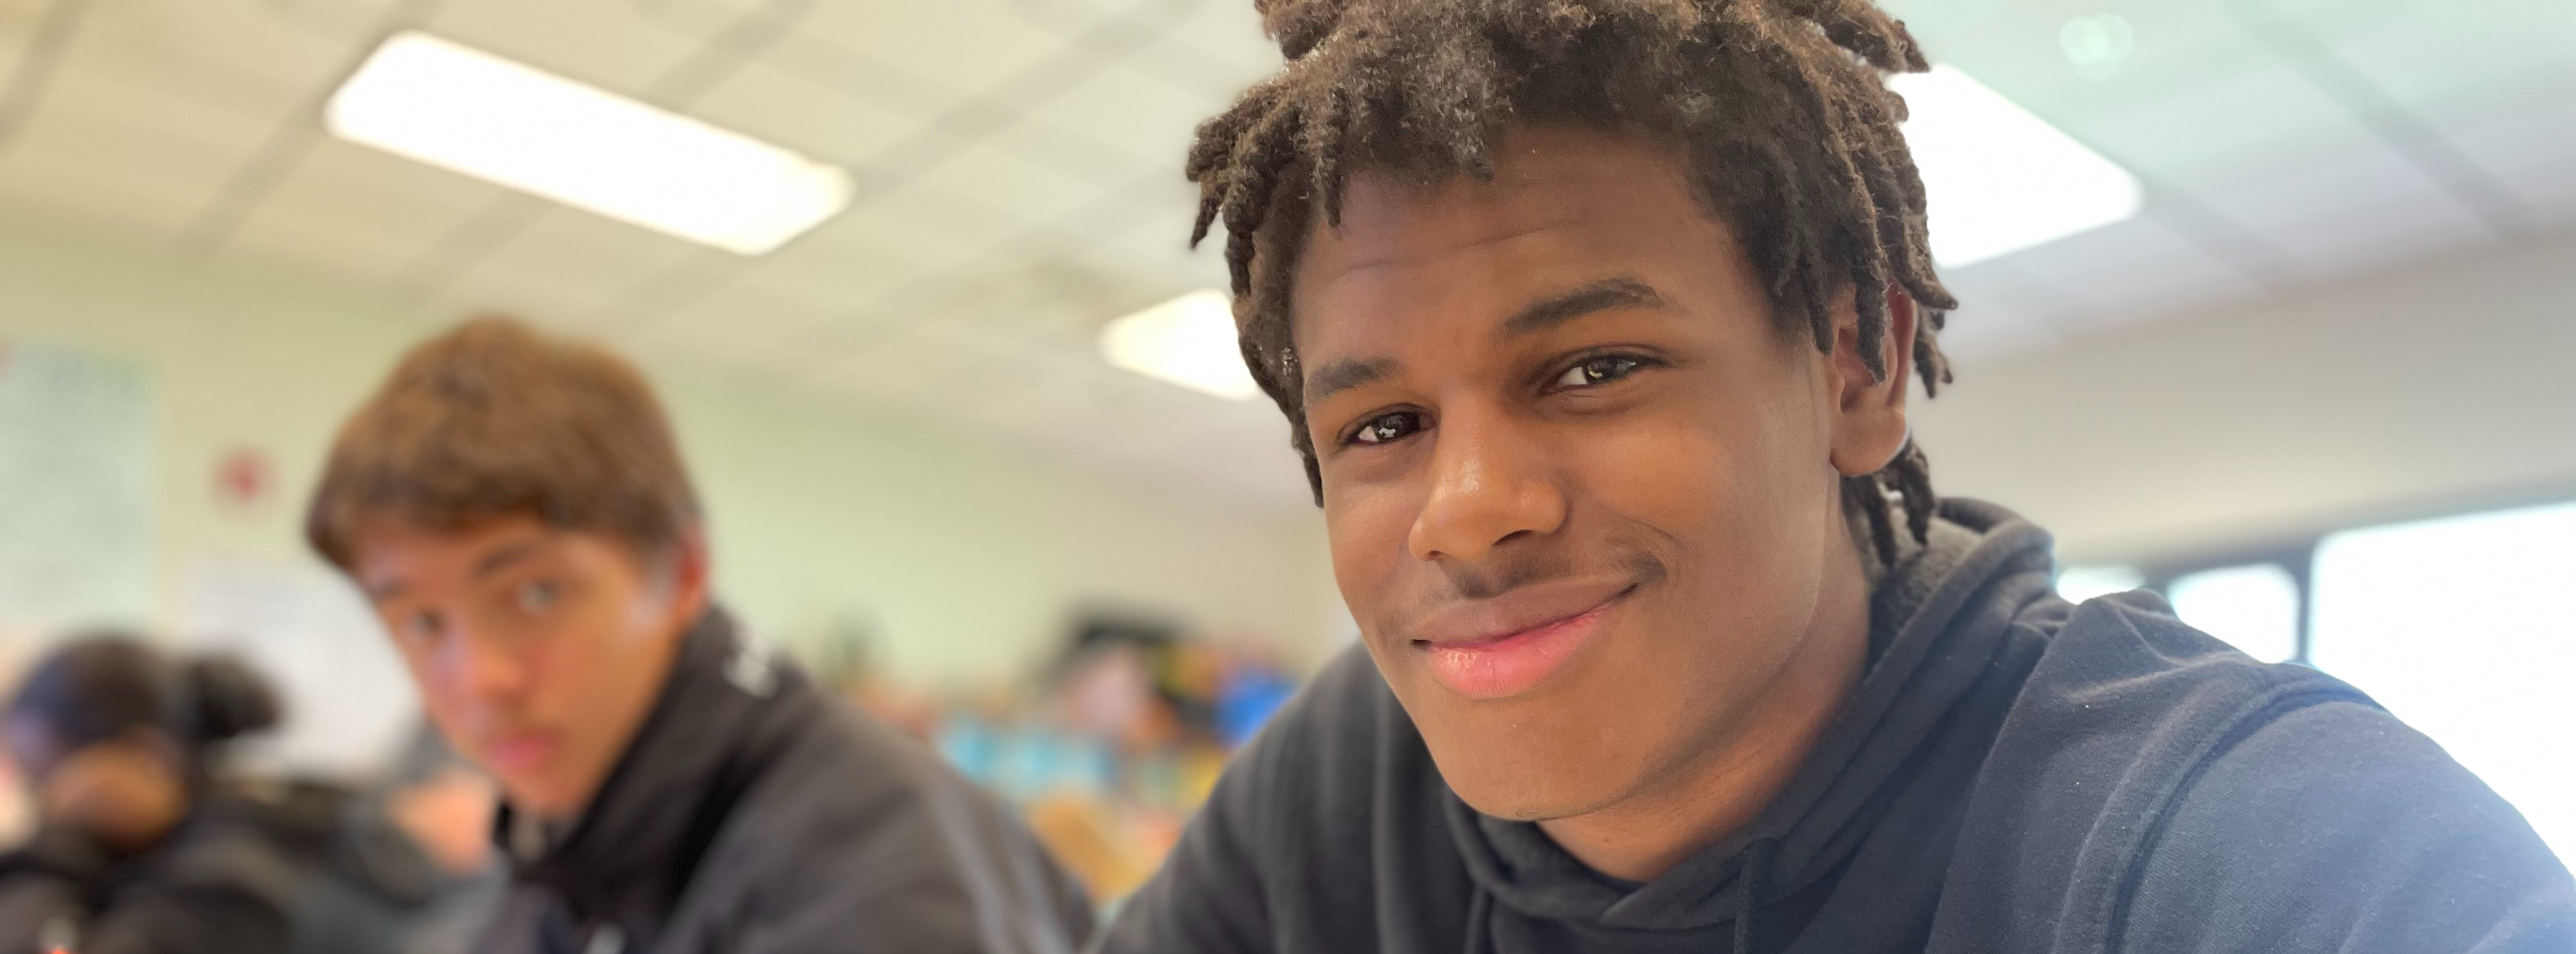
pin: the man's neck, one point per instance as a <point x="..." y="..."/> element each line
<point x="1710" y="794"/>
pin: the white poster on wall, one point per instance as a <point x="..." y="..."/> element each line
<point x="75" y="490"/>
<point x="349" y="704"/>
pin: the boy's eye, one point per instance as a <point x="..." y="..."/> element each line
<point x="1386" y="428"/>
<point x="421" y="625"/>
<point x="538" y="596"/>
<point x="1600" y="370"/>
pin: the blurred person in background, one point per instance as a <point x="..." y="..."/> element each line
<point x="1593" y="320"/>
<point x="148" y="845"/>
<point x="516" y="510"/>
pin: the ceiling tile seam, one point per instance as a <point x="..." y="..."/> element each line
<point x="38" y="63"/>
<point x="659" y="298"/>
<point x="708" y="279"/>
<point x="1193" y="77"/>
<point x="1088" y="217"/>
<point x="1000" y="105"/>
<point x="1056" y="137"/>
<point x="981" y="113"/>
<point x="2410" y="135"/>
<point x="2225" y="239"/>
<point x="463" y="245"/>
<point x="258" y="177"/>
<point x="505" y="216"/>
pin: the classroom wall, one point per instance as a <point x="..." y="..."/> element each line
<point x="2438" y="388"/>
<point x="963" y="559"/>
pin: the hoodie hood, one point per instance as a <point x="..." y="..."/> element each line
<point x="1908" y="742"/>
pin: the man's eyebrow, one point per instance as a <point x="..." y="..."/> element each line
<point x="504" y="556"/>
<point x="387" y="590"/>
<point x="1608" y="293"/>
<point x="1342" y="375"/>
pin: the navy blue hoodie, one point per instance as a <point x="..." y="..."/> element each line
<point x="2013" y="774"/>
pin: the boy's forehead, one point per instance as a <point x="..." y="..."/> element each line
<point x="1542" y="180"/>
<point x="389" y="548"/>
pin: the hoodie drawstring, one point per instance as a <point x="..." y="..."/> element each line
<point x="1480" y="914"/>
<point x="1756" y="874"/>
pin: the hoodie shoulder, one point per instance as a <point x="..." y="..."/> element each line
<point x="2130" y="729"/>
<point x="2337" y="827"/>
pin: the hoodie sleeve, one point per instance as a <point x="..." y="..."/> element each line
<point x="204" y="899"/>
<point x="2337" y="828"/>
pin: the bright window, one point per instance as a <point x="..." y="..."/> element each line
<point x="2254" y="608"/>
<point x="2461" y="628"/>
<point x="2080" y="583"/>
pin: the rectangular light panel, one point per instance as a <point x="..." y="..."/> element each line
<point x="1998" y="179"/>
<point x="472" y="112"/>
<point x="1188" y="341"/>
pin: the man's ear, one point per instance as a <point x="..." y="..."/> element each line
<point x="686" y="572"/>
<point x="1869" y="409"/>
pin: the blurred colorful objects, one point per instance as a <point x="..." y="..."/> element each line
<point x="1109" y="749"/>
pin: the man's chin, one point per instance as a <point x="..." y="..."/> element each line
<point x="1528" y="783"/>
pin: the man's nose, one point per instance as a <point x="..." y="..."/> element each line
<point x="1491" y="482"/>
<point x="485" y="668"/>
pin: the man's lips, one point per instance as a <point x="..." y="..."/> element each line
<point x="515" y="752"/>
<point x="1492" y="649"/>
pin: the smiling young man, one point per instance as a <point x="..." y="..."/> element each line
<point x="516" y="509"/>
<point x="1594" y="322"/>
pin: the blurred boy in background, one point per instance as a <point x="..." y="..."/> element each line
<point x="515" y="509"/>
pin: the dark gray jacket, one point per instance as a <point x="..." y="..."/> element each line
<point x="262" y="867"/>
<point x="757" y="814"/>
<point x="2013" y="775"/>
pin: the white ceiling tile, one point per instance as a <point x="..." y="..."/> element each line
<point x="363" y="188"/>
<point x="844" y="269"/>
<point x="130" y="175"/>
<point x="134" y="99"/>
<point x="334" y="245"/>
<point x="1983" y="335"/>
<point x="825" y="123"/>
<point x="2420" y="53"/>
<point x="754" y="314"/>
<point x="611" y="44"/>
<point x="964" y="45"/>
<point x="2136" y="269"/>
<point x="2361" y="202"/>
<point x="526" y="295"/>
<point x="57" y="184"/>
<point x="942" y="231"/>
<point x="131" y="146"/>
<point x="1026" y="187"/>
<point x="255" y="56"/>
<point x="2213" y="125"/>
<point x="1217" y="46"/>
<point x="1147" y="115"/>
<point x="574" y="246"/>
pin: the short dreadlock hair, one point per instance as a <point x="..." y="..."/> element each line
<point x="1778" y="105"/>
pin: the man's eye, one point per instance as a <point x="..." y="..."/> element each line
<point x="1600" y="370"/>
<point x="538" y="597"/>
<point x="1386" y="428"/>
<point x="422" y="626"/>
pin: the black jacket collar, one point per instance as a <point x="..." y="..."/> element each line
<point x="724" y="714"/>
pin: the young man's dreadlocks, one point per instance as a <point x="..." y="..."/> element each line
<point x="1779" y="105"/>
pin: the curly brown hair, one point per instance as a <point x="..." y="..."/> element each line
<point x="1780" y="107"/>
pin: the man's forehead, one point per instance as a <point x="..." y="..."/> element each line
<point x="1542" y="181"/>
<point x="390" y="546"/>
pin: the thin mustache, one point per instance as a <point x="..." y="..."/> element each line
<point x="1470" y="584"/>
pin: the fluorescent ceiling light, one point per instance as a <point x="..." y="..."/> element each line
<point x="469" y="111"/>
<point x="1999" y="179"/>
<point x="1188" y="341"/>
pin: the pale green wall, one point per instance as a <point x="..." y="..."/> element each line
<point x="966" y="558"/>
